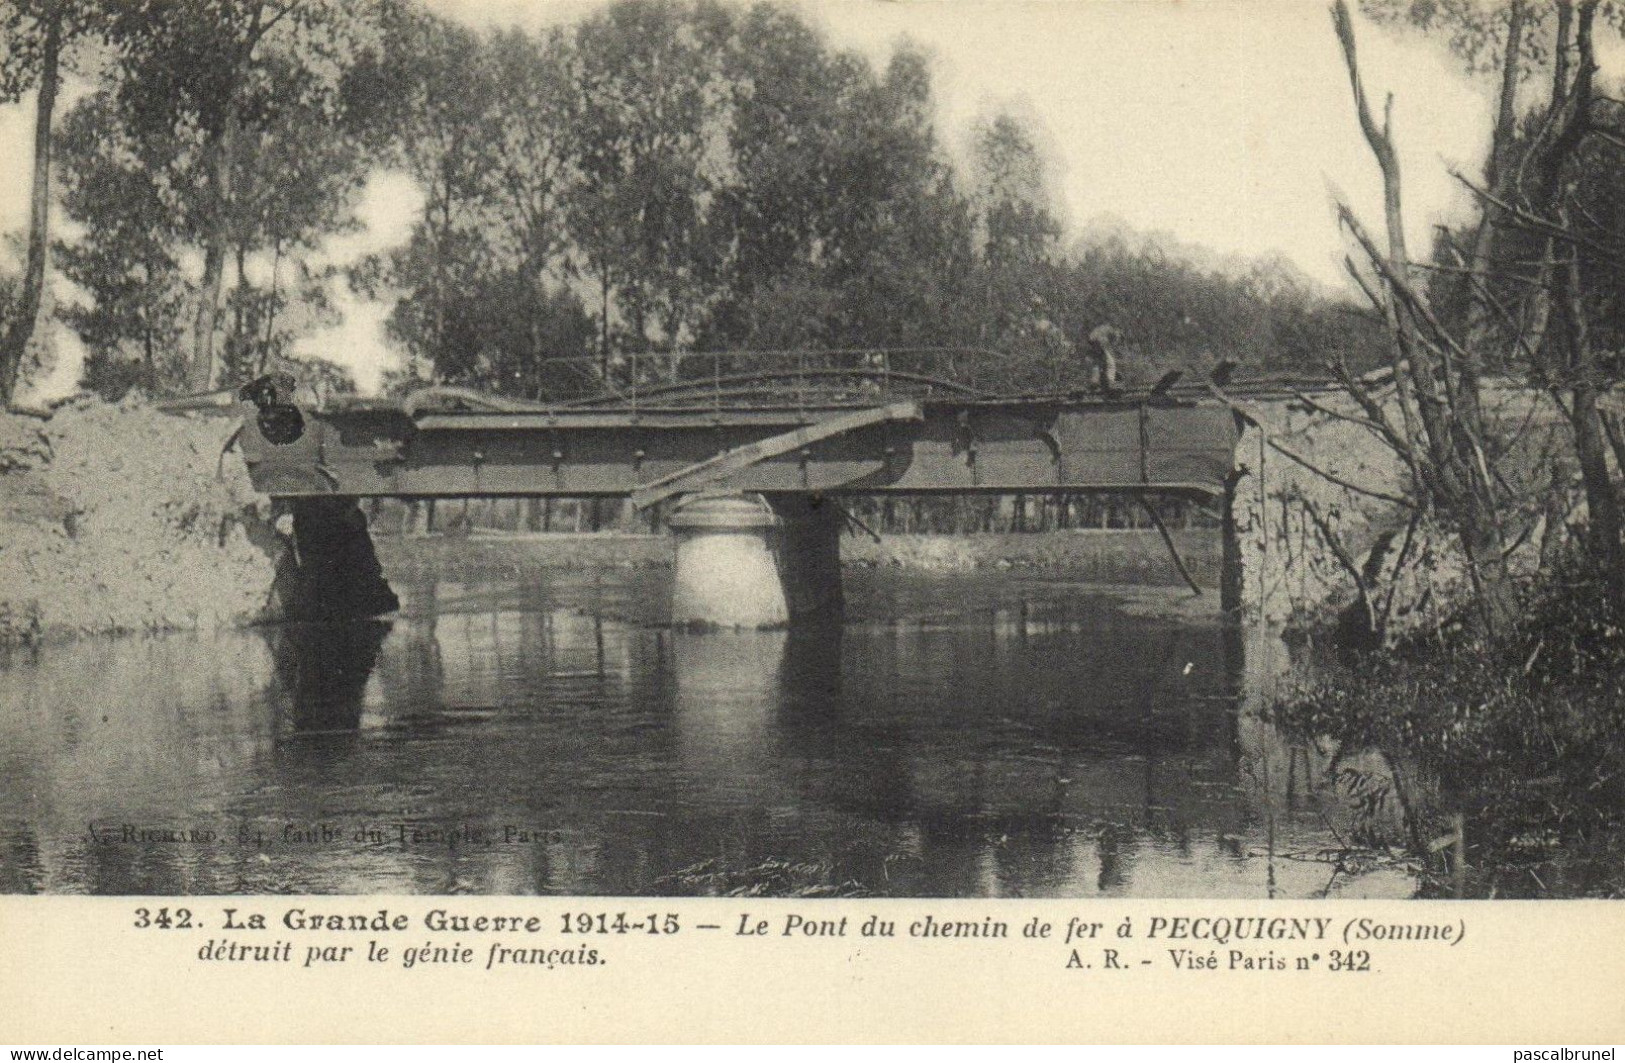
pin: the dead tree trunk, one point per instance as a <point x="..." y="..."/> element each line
<point x="1441" y="432"/>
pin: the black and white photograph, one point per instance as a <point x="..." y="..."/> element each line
<point x="820" y="450"/>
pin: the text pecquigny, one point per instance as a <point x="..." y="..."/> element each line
<point x="1222" y="930"/>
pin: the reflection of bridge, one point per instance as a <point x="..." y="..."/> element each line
<point x="793" y="431"/>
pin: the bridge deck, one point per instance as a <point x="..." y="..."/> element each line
<point x="1130" y="444"/>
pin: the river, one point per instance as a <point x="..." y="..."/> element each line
<point x="969" y="735"/>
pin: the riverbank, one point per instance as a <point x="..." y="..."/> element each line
<point x="1511" y="743"/>
<point x="1117" y="556"/>
<point x="1109" y="556"/>
<point x="120" y="518"/>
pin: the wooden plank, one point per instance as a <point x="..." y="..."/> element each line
<point x="708" y="472"/>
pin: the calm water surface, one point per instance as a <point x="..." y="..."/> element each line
<point x="958" y="736"/>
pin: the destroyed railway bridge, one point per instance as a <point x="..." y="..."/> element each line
<point x="750" y="467"/>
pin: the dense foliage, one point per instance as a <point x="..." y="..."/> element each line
<point x="1523" y="735"/>
<point x="661" y="177"/>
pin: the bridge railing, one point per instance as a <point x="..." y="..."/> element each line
<point x="855" y="376"/>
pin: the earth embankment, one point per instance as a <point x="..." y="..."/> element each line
<point x="123" y="518"/>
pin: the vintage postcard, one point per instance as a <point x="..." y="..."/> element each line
<point x="695" y="520"/>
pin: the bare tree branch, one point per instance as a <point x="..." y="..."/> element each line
<point x="1545" y="226"/>
<point x="1338" y="415"/>
<point x="1256" y="421"/>
<point x="1345" y="559"/>
<point x="1497" y="175"/>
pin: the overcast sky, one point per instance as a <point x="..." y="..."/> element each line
<point x="1225" y="124"/>
<point x="1228" y="124"/>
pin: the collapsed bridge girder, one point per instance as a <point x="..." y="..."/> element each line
<point x="320" y="463"/>
<point x="958" y="446"/>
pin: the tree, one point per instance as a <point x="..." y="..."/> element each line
<point x="1019" y="233"/>
<point x="641" y="215"/>
<point x="216" y="73"/>
<point x="428" y="82"/>
<point x="325" y="379"/>
<point x="1496" y="311"/>
<point x="298" y="174"/>
<point x="1012" y="194"/>
<point x="34" y="37"/>
<point x="789" y="109"/>
<point x="146" y="195"/>
<point x="1438" y="430"/>
<point x="125" y="260"/>
<point x="535" y="105"/>
<point x="843" y="225"/>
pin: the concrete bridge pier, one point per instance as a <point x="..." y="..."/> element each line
<point x="809" y="555"/>
<point x="744" y="562"/>
<point x="724" y="575"/>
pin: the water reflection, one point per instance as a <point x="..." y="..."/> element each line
<point x="322" y="672"/>
<point x="978" y="736"/>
